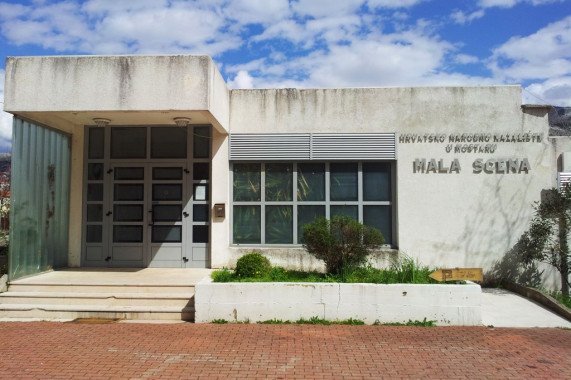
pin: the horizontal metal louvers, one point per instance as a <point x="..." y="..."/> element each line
<point x="269" y="147"/>
<point x="376" y="146"/>
<point x="563" y="179"/>
<point x="370" y="146"/>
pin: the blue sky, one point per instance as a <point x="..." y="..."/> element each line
<point x="314" y="43"/>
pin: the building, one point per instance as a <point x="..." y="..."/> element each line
<point x="151" y="161"/>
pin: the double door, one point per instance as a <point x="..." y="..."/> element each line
<point x="153" y="215"/>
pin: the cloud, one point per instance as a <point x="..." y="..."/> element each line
<point x="465" y="59"/>
<point x="242" y="80"/>
<point x="106" y="27"/>
<point x="544" y="54"/>
<point x="460" y="17"/>
<point x="511" y="3"/>
<point x="555" y="91"/>
<point x="5" y="121"/>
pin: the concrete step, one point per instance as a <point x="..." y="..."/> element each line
<point x="100" y="288"/>
<point x="96" y="311"/>
<point x="104" y="299"/>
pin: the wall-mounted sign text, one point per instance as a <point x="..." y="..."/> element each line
<point x="498" y="166"/>
<point x="469" y="142"/>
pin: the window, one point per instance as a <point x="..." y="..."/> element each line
<point x="273" y="201"/>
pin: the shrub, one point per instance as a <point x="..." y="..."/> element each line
<point x="222" y="275"/>
<point x="252" y="265"/>
<point x="342" y="243"/>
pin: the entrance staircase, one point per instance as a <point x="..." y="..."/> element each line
<point x="124" y="294"/>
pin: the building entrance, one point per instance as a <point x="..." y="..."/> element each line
<point x="151" y="212"/>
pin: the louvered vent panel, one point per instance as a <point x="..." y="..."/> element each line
<point x="563" y="179"/>
<point x="374" y="146"/>
<point x="269" y="147"/>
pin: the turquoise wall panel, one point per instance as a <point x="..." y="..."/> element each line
<point x="39" y="224"/>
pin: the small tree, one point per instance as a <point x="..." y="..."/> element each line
<point x="546" y="240"/>
<point x="341" y="243"/>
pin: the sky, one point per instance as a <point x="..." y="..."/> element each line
<point x="314" y="43"/>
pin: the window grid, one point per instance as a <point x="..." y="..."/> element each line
<point x="295" y="202"/>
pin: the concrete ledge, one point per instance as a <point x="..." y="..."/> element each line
<point x="541" y="298"/>
<point x="445" y="304"/>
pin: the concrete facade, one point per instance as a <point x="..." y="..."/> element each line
<point x="470" y="161"/>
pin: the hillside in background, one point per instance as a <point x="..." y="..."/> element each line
<point x="560" y="121"/>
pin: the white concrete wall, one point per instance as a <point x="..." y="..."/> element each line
<point x="458" y="219"/>
<point x="445" y="304"/>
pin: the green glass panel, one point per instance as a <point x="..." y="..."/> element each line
<point x="246" y="224"/>
<point x="95" y="192"/>
<point x="164" y="173"/>
<point x="200" y="234"/>
<point x="306" y="215"/>
<point x="39" y="215"/>
<point x="279" y="181"/>
<point x="247" y="182"/>
<point x="350" y="211"/>
<point x="379" y="217"/>
<point x="343" y="183"/>
<point x="279" y="224"/>
<point x="311" y="182"/>
<point x="129" y="174"/>
<point x="200" y="171"/>
<point x="376" y="181"/>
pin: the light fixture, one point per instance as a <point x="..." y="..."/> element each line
<point x="100" y="122"/>
<point x="182" y="121"/>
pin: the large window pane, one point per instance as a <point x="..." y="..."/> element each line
<point x="94" y="234"/>
<point x="201" y="146"/>
<point x="166" y="234"/>
<point x="376" y="181"/>
<point x="95" y="172"/>
<point x="350" y="211"/>
<point x="247" y="182"/>
<point x="200" y="213"/>
<point x="123" y="192"/>
<point x="95" y="213"/>
<point x="246" y="224"/>
<point x="167" y="213"/>
<point x="379" y="217"/>
<point x="200" y="171"/>
<point x="128" y="142"/>
<point x="279" y="224"/>
<point x="168" y="142"/>
<point x="95" y="192"/>
<point x="306" y="215"/>
<point x="167" y="192"/>
<point x="129" y="174"/>
<point x="200" y="234"/>
<point x="173" y="173"/>
<point x="279" y="181"/>
<point x="311" y="182"/>
<point x="127" y="234"/>
<point x="344" y="182"/>
<point x="128" y="213"/>
<point x="96" y="143"/>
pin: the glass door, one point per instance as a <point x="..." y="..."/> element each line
<point x="167" y="213"/>
<point x="127" y="216"/>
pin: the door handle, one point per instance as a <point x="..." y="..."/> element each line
<point x="109" y="213"/>
<point x="185" y="259"/>
<point x="186" y="214"/>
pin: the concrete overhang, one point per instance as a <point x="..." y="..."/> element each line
<point x="127" y="90"/>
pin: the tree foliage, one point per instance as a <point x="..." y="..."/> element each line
<point x="342" y="243"/>
<point x="546" y="240"/>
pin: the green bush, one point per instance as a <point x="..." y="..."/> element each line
<point x="342" y="243"/>
<point x="222" y="275"/>
<point x="252" y="265"/>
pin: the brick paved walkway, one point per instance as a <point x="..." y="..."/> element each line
<point x="113" y="351"/>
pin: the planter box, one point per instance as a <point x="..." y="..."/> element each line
<point x="445" y="304"/>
